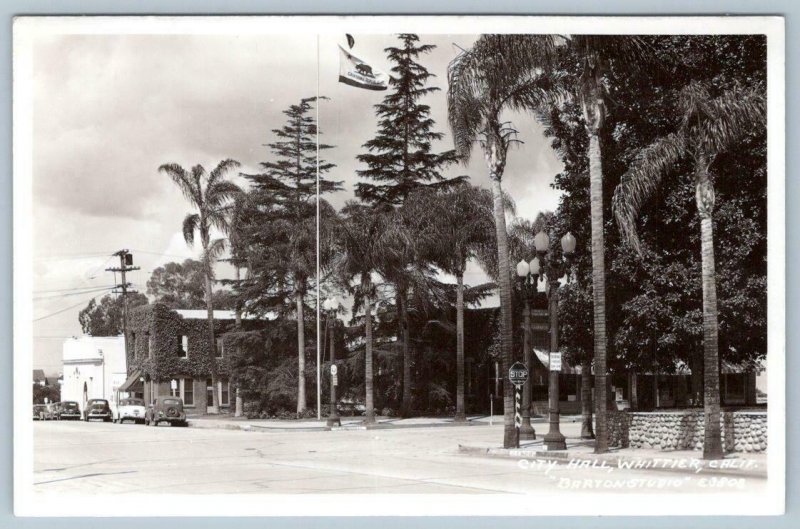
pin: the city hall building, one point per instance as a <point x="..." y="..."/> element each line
<point x="167" y="354"/>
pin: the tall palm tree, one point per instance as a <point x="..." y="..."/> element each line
<point x="359" y="238"/>
<point x="453" y="226"/>
<point x="499" y="73"/>
<point x="211" y="195"/>
<point x="708" y="127"/>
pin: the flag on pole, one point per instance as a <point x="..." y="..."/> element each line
<point x="355" y="72"/>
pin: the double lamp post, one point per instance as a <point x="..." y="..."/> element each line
<point x="331" y="305"/>
<point x="529" y="274"/>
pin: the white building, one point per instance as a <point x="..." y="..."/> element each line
<point x="94" y="367"/>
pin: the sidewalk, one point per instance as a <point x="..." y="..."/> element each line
<point x="348" y="423"/>
<point x="580" y="454"/>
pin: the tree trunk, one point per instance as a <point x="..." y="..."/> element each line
<point x="599" y="292"/>
<point x="587" y="431"/>
<point x="712" y="445"/>
<point x="237" y="276"/>
<point x="461" y="415"/>
<point x="212" y="350"/>
<point x="506" y="325"/>
<point x="301" y="355"/>
<point x="368" y="376"/>
<point x="402" y="313"/>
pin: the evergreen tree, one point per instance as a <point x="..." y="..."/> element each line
<point x="399" y="160"/>
<point x="281" y="231"/>
<point x="399" y="157"/>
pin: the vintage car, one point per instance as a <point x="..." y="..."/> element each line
<point x="166" y="409"/>
<point x="130" y="410"/>
<point x="39" y="411"/>
<point x="68" y="410"/>
<point x="97" y="409"/>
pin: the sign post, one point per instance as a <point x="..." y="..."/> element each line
<point x="518" y="375"/>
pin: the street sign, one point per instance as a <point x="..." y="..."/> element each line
<point x="518" y="374"/>
<point x="555" y="361"/>
<point x="335" y="380"/>
<point x="333" y="369"/>
<point x="173" y="384"/>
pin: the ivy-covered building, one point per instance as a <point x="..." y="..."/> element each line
<point x="167" y="354"/>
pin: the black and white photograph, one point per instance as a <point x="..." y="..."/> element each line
<point x="350" y="266"/>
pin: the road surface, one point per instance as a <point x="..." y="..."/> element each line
<point x="110" y="458"/>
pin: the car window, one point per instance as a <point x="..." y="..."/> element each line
<point x="132" y="402"/>
<point x="171" y="402"/>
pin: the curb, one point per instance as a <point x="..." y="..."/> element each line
<point x="249" y="427"/>
<point x="608" y="460"/>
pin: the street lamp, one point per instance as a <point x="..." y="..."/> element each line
<point x="527" y="286"/>
<point x="540" y="266"/>
<point x="330" y="305"/>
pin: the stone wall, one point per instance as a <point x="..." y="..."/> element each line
<point x="742" y="431"/>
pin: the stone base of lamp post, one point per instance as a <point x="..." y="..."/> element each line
<point x="555" y="441"/>
<point x="333" y="421"/>
<point x="526" y="431"/>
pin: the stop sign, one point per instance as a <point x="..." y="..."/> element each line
<point x="518" y="374"/>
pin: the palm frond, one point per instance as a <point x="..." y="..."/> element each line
<point x="182" y="179"/>
<point x="641" y="181"/>
<point x="190" y="223"/>
<point x="219" y="172"/>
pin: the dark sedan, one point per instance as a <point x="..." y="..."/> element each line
<point x="68" y="410"/>
<point x="97" y="409"/>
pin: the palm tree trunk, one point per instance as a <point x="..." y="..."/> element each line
<point x="368" y="376"/>
<point x="712" y="445"/>
<point x="587" y="431"/>
<point x="405" y="406"/>
<point x="212" y="349"/>
<point x="506" y="339"/>
<point x="598" y="289"/>
<point x="301" y="355"/>
<point x="461" y="415"/>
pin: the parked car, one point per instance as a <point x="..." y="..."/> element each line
<point x="130" y="410"/>
<point x="68" y="410"/>
<point x="97" y="409"/>
<point x="39" y="412"/>
<point x="166" y="409"/>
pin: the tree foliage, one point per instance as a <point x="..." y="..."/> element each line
<point x="105" y="318"/>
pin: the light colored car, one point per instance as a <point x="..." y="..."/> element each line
<point x="130" y="410"/>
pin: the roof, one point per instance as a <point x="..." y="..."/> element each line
<point x="38" y="374"/>
<point x="202" y="314"/>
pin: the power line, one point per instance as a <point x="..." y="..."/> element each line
<point x="68" y="308"/>
<point x="87" y="288"/>
<point x="63" y="295"/>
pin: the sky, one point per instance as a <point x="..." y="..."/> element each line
<point x="108" y="110"/>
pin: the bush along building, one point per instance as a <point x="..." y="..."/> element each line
<point x="167" y="354"/>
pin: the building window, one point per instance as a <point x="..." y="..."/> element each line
<point x="183" y="350"/>
<point x="187" y="389"/>
<point x="224" y="393"/>
<point x="220" y="348"/>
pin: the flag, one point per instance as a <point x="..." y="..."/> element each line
<point x="350" y="40"/>
<point x="355" y="72"/>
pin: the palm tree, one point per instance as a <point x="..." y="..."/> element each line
<point x="453" y="226"/>
<point x="708" y="127"/>
<point x="359" y="243"/>
<point x="499" y="73"/>
<point x="211" y="196"/>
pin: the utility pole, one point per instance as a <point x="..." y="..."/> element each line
<point x="125" y="265"/>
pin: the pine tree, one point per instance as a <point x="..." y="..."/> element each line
<point x="399" y="157"/>
<point x="399" y="160"/>
<point x="282" y="227"/>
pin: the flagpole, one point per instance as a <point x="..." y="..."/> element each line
<point x="319" y="367"/>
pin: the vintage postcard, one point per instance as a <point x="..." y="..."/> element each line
<point x="374" y="266"/>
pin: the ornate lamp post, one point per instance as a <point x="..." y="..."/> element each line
<point x="540" y="266"/>
<point x="330" y="305"/>
<point x="527" y="286"/>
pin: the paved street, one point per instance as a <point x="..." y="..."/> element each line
<point x="111" y="458"/>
